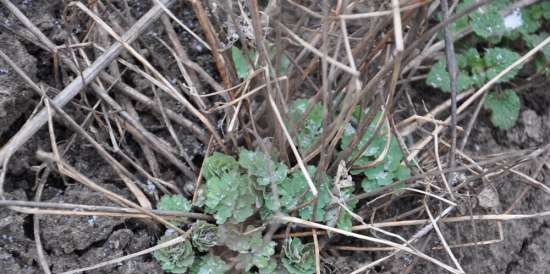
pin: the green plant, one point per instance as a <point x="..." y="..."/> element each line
<point x="243" y="65"/>
<point x="501" y="36"/>
<point x="209" y="264"/>
<point x="204" y="235"/>
<point x="229" y="194"/>
<point x="174" y="203"/>
<point x="177" y="258"/>
<point x="298" y="258"/>
<point x="474" y="69"/>
<point x="233" y="188"/>
<point x="383" y="145"/>
<point x="312" y="127"/>
<point x="504" y="108"/>
<point x="252" y="249"/>
<point x="237" y="188"/>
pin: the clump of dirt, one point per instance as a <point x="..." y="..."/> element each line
<point x="14" y="93"/>
<point x="532" y="130"/>
<point x="67" y="234"/>
<point x="121" y="242"/>
<point x="17" y="251"/>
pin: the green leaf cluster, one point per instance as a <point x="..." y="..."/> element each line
<point x="389" y="169"/>
<point x="182" y="258"/>
<point x="204" y="235"/>
<point x="234" y="189"/>
<point x="500" y="35"/>
<point x="230" y="194"/>
<point x="253" y="250"/>
<point x="176" y="258"/>
<point x="209" y="264"/>
<point x="312" y="128"/>
<point x="474" y="70"/>
<point x="298" y="258"/>
<point x="174" y="203"/>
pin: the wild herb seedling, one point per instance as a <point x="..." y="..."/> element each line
<point x="499" y="36"/>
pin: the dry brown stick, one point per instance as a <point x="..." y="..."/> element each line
<point x="141" y="134"/>
<point x="131" y="92"/>
<point x="440" y="235"/>
<point x="452" y="68"/>
<point x="471" y="123"/>
<point x="325" y="93"/>
<point x="418" y="146"/>
<point x="162" y="82"/>
<point x="148" y="153"/>
<point x="146" y="101"/>
<point x="107" y="209"/>
<point x="29" y="81"/>
<point x="36" y="224"/>
<point x="189" y="76"/>
<point x="35" y="123"/>
<point x="212" y="40"/>
<point x="317" y="252"/>
<point x="129" y="183"/>
<point x="400" y="247"/>
<point x="124" y="173"/>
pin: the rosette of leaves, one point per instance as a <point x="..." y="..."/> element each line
<point x="174" y="203"/>
<point x="298" y="258"/>
<point x="209" y="264"/>
<point x="176" y="258"/>
<point x="229" y="194"/>
<point x="204" y="235"/>
<point x="252" y="249"/>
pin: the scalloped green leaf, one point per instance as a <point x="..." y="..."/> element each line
<point x="311" y="129"/>
<point x="438" y="77"/>
<point x="209" y="264"/>
<point x="487" y="22"/>
<point x="174" y="203"/>
<point x="260" y="165"/>
<point x="533" y="40"/>
<point x="323" y="199"/>
<point x="497" y="59"/>
<point x="504" y="108"/>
